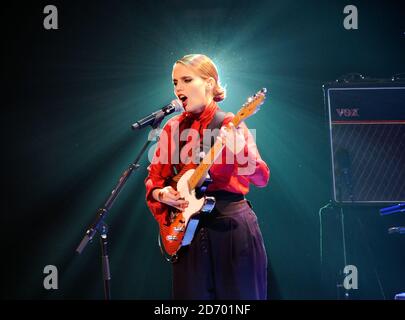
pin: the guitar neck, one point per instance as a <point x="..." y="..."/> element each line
<point x="201" y="171"/>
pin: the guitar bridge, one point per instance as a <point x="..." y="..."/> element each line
<point x="171" y="238"/>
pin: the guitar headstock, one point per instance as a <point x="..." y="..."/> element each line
<point x="252" y="105"/>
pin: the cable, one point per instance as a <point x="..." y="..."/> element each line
<point x="329" y="204"/>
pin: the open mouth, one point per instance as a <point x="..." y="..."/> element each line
<point x="183" y="99"/>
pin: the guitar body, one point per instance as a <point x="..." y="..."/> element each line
<point x="179" y="228"/>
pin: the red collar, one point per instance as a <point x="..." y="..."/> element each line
<point x="205" y="116"/>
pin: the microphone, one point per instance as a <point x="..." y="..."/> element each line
<point x="174" y="106"/>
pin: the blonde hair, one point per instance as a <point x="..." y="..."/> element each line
<point x="205" y="68"/>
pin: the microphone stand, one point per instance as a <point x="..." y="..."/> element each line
<point x="99" y="224"/>
<point x="337" y="205"/>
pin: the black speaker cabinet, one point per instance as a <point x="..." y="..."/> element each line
<point x="367" y="141"/>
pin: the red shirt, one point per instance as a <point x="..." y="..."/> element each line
<point x="225" y="176"/>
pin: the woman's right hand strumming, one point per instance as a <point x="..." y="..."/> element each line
<point x="171" y="197"/>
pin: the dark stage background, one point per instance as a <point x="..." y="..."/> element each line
<point x="71" y="95"/>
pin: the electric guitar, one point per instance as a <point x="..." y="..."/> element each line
<point x="179" y="226"/>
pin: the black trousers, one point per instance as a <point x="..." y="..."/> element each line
<point x="226" y="259"/>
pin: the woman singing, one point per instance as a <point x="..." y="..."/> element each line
<point x="226" y="258"/>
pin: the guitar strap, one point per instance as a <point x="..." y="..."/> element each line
<point x="216" y="123"/>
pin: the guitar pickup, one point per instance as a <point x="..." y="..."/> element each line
<point x="171" y="238"/>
